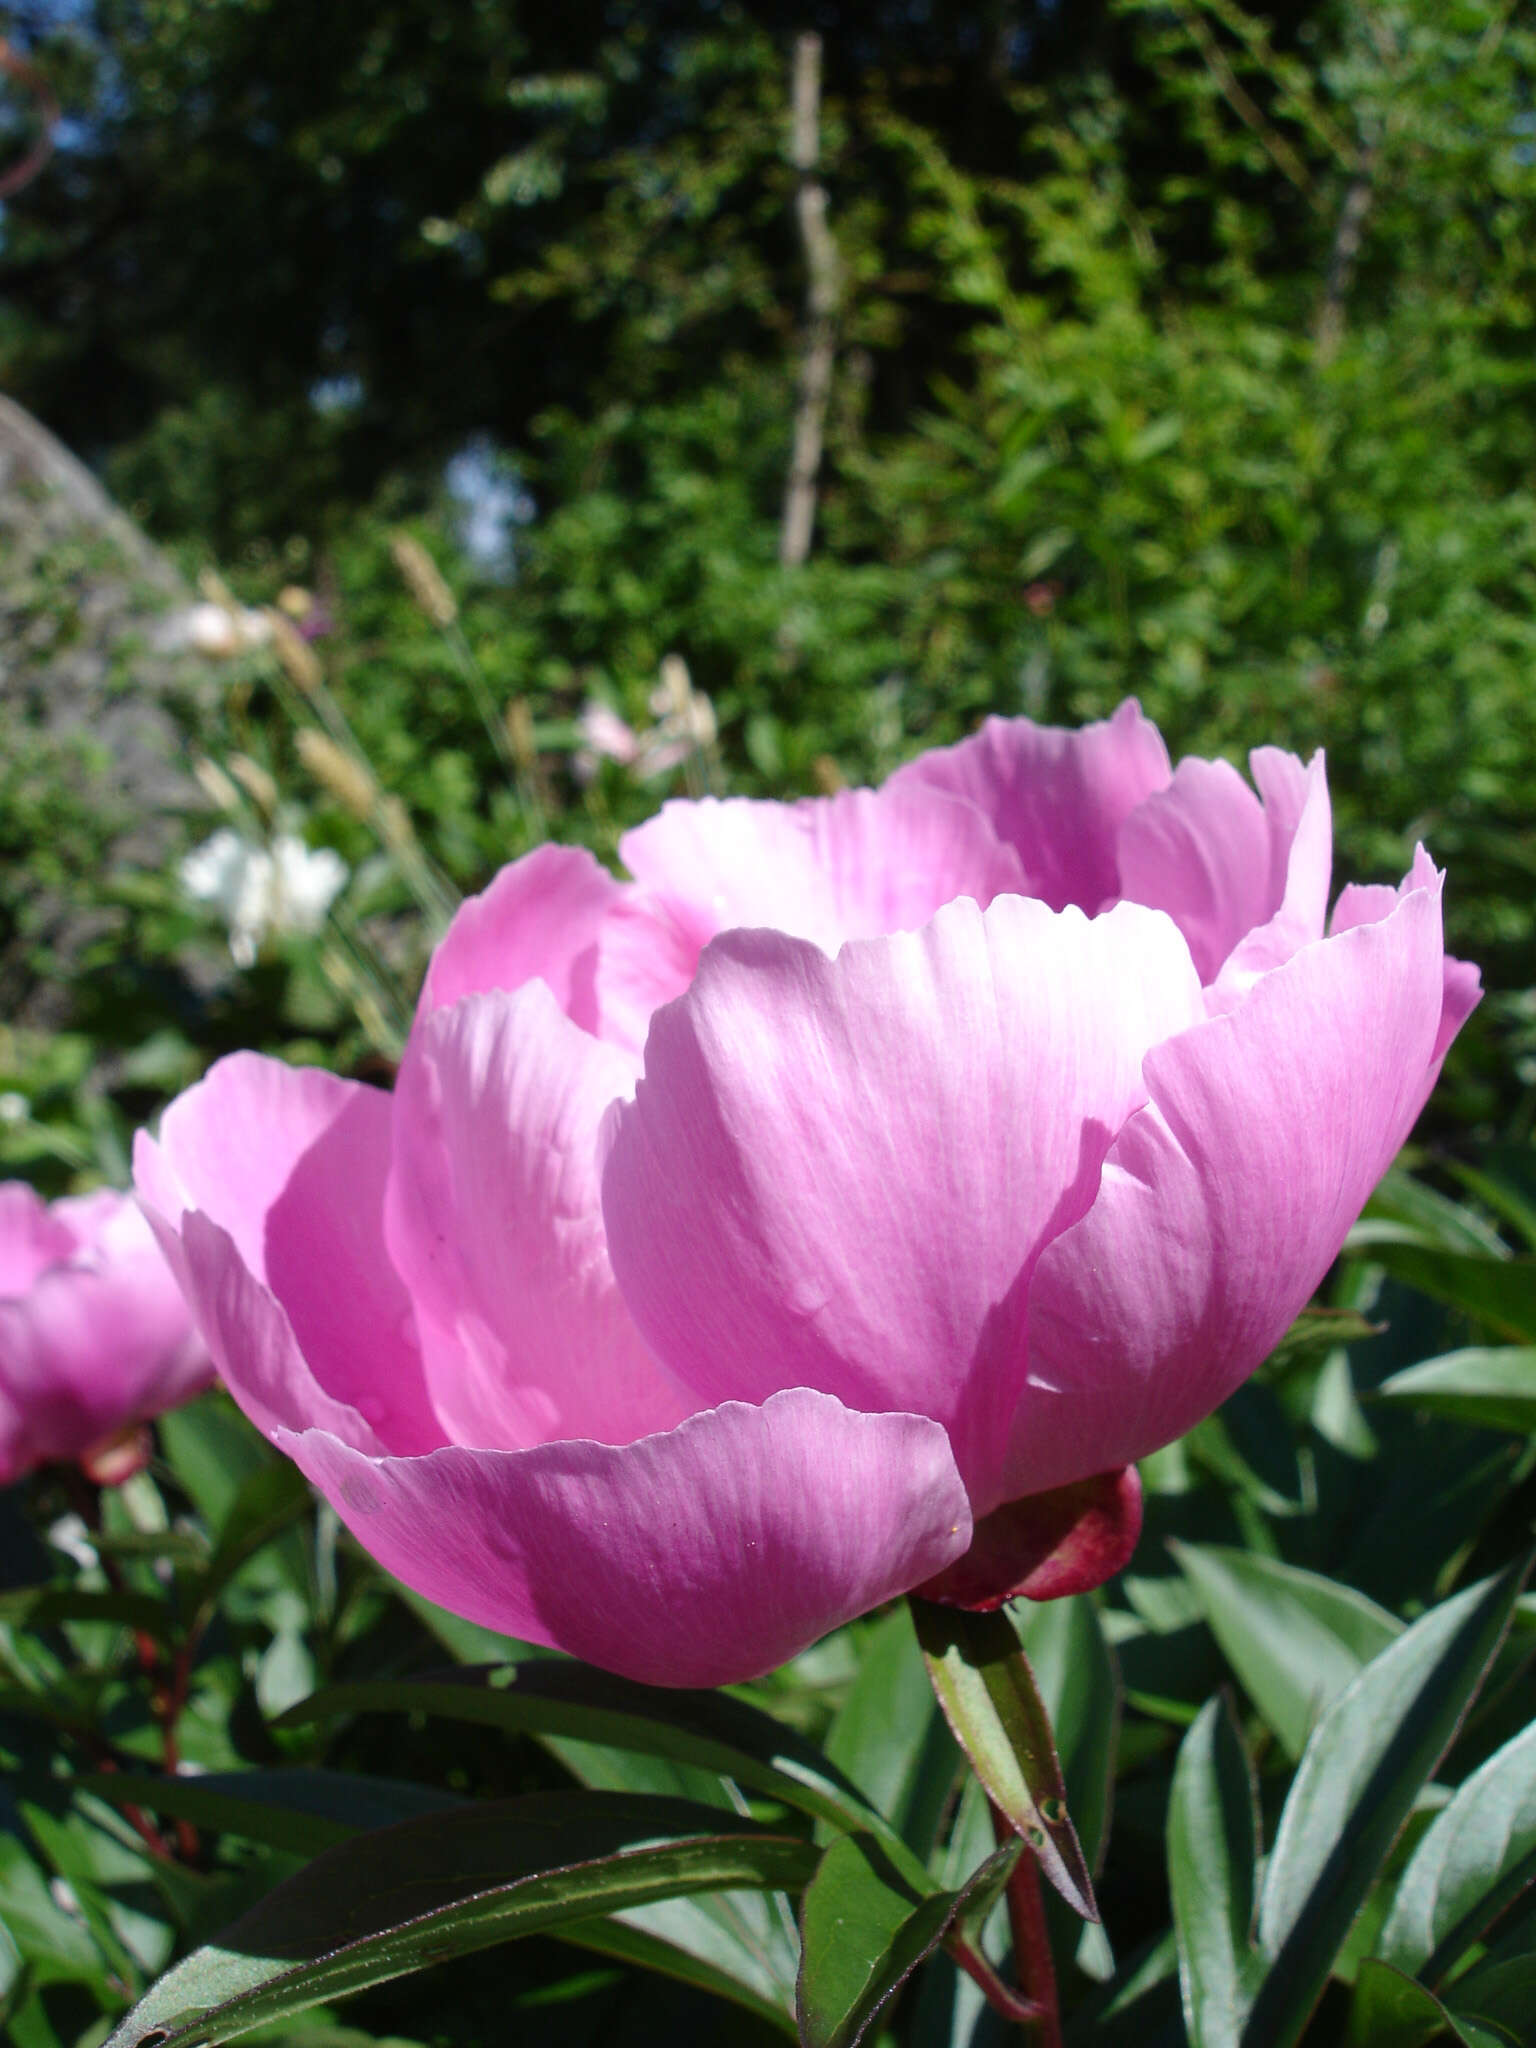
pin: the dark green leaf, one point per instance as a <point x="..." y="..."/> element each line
<point x="1370" y="1755"/>
<point x="1479" y="1853"/>
<point x="643" y="1945"/>
<point x="299" y="1810"/>
<point x="404" y="1897"/>
<point x="1390" y="2010"/>
<point x="47" y="1606"/>
<point x="272" y="1497"/>
<point x="989" y="1697"/>
<point x="889" y="1736"/>
<point x="1079" y="1684"/>
<point x="1213" y="1845"/>
<point x="1499" y="1292"/>
<point x="1493" y="1389"/>
<point x="864" y="1929"/>
<point x="1295" y="1640"/>
<point x="706" y="1730"/>
<point x="1499" y="1994"/>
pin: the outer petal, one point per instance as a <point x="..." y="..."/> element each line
<point x="1226" y="1199"/>
<point x="703" y="1556"/>
<point x="838" y="1173"/>
<point x="854" y="865"/>
<point x="292" y="1162"/>
<point x="32" y="1238"/>
<point x="1369" y="903"/>
<point x="1057" y="795"/>
<point x="493" y="1219"/>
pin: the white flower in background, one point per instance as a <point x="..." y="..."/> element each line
<point x="287" y="887"/>
<point x="217" y="630"/>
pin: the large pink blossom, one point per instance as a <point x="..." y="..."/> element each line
<point x="838" y="1207"/>
<point x="94" y="1334"/>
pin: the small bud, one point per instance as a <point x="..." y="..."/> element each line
<point x="300" y="663"/>
<point x="827" y="775"/>
<point x="255" y="781"/>
<point x="215" y="784"/>
<point x="519" y="719"/>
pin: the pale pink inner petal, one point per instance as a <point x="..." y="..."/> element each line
<point x="696" y="1558"/>
<point x="1057" y="795"/>
<point x="494" y="1222"/>
<point x="536" y="921"/>
<point x="838" y="1173"/>
<point x="855" y="865"/>
<point x="1226" y="1198"/>
<point x="1200" y="849"/>
<point x="1368" y="903"/>
<point x="1299" y="818"/>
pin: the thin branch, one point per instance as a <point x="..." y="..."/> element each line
<point x="822" y="298"/>
<point x="1275" y="145"/>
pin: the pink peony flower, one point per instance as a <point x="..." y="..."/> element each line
<point x="94" y="1334"/>
<point x="837" y="1208"/>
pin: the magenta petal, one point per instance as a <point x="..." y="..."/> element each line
<point x="854" y="865"/>
<point x="1047" y="1545"/>
<point x="838" y="1173"/>
<point x="32" y="1237"/>
<point x="253" y="1343"/>
<point x="495" y="1224"/>
<point x="1200" y="849"/>
<point x="696" y="1558"/>
<point x="292" y="1162"/>
<point x="1058" y="796"/>
<point x="1369" y="903"/>
<point x="1225" y="1200"/>
<point x="1299" y="819"/>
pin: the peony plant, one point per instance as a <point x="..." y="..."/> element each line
<point x="836" y="1208"/>
<point x="95" y="1337"/>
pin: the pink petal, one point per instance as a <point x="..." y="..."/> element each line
<point x="1299" y="819"/>
<point x="1058" y="795"/>
<point x="292" y="1162"/>
<point x="696" y="1558"/>
<point x="1047" y="1545"/>
<point x="1226" y="1199"/>
<point x="100" y="1341"/>
<point x="607" y="953"/>
<point x="31" y="1236"/>
<point x="854" y="865"/>
<point x="838" y="1173"/>
<point x="1368" y="903"/>
<point x="494" y="1222"/>
<point x="534" y="922"/>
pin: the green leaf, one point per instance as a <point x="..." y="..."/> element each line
<point x="1491" y="1388"/>
<point x="984" y="1685"/>
<point x="47" y="1606"/>
<point x="1498" y="1291"/>
<point x="1478" y="1854"/>
<point x="303" y="1811"/>
<point x="1079" y="1684"/>
<point x="889" y="1736"/>
<point x="1370" y="1755"/>
<point x="272" y="1497"/>
<point x="683" y="1959"/>
<point x="1213" y="1846"/>
<point x="1295" y="1640"/>
<point x="708" y="1731"/>
<point x="1390" y="2010"/>
<point x="404" y="1897"/>
<point x="864" y="1930"/>
<point x="1500" y="1995"/>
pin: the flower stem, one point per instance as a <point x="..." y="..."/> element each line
<point x="1032" y="1961"/>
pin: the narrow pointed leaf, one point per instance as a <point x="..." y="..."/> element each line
<point x="1491" y="1388"/>
<point x="985" y="1687"/>
<point x="1213" y="1850"/>
<point x="1372" y="1752"/>
<point x="402" y="1898"/>
<point x="1500" y="1292"/>
<point x="1390" y="2010"/>
<point x="1478" y="1855"/>
<point x="864" y="1930"/>
<point x="303" y="1811"/>
<point x="889" y="1736"/>
<point x="643" y="1946"/>
<point x="707" y="1730"/>
<point x="1079" y="1684"/>
<point x="1500" y="1996"/>
<point x="1295" y="1640"/>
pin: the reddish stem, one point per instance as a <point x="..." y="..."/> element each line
<point x="1033" y="1963"/>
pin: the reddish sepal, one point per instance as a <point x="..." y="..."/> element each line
<point x="1047" y="1544"/>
